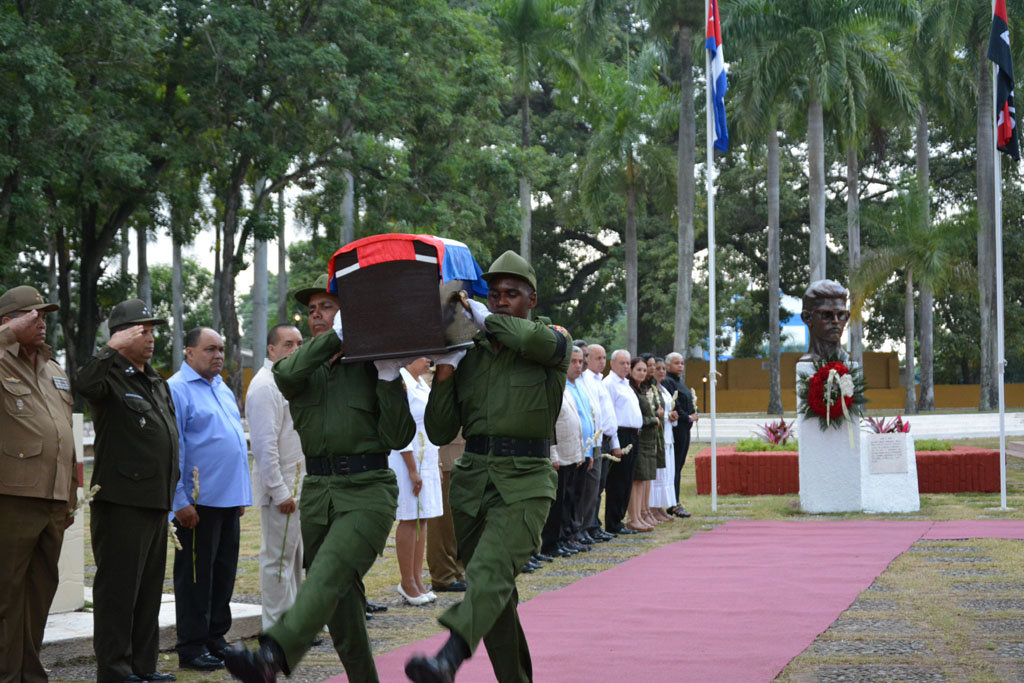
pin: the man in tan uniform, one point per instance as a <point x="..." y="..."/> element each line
<point x="38" y="478"/>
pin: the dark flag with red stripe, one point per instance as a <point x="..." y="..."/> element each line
<point x="999" y="52"/>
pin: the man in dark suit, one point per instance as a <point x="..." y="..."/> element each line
<point x="136" y="470"/>
<point x="675" y="382"/>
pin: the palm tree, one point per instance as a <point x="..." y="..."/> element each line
<point x="534" y="33"/>
<point x="626" y="107"/>
<point x="681" y="20"/>
<point x="812" y="44"/>
<point x="915" y="249"/>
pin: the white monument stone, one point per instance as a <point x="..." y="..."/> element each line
<point x="70" y="594"/>
<point x="889" y="473"/>
<point x="830" y="461"/>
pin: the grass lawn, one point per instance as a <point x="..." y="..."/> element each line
<point x="922" y="596"/>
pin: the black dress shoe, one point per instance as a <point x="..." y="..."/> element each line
<point x="157" y="676"/>
<point x="680" y="511"/>
<point x="134" y="678"/>
<point x="374" y="607"/>
<point x="535" y="564"/>
<point x="569" y="551"/>
<point x="255" y="666"/>
<point x="543" y="558"/>
<point x="623" y="531"/>
<point x="369" y="615"/>
<point x="585" y="539"/>
<point x="607" y="534"/>
<point x="453" y="587"/>
<point x="204" y="662"/>
<point x="526" y="569"/>
<point x="422" y="669"/>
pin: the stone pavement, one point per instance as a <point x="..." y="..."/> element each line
<point x="68" y="636"/>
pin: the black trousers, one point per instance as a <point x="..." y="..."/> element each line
<point x="681" y="435"/>
<point x="130" y="547"/>
<point x="553" y="532"/>
<point x="620" y="481"/>
<point x="599" y="475"/>
<point x="201" y="600"/>
<point x="582" y="486"/>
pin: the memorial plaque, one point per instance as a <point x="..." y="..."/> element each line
<point x="888" y="454"/>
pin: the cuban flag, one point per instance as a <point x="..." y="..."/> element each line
<point x="999" y="52"/>
<point x="717" y="84"/>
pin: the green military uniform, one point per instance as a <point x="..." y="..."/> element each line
<point x="499" y="503"/>
<point x="136" y="469"/>
<point x="340" y="410"/>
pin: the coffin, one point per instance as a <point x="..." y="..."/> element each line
<point x="399" y="295"/>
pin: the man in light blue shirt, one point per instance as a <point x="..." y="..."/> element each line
<point x="212" y="444"/>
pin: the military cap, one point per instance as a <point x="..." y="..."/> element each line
<point x="319" y="287"/>
<point x="131" y="312"/>
<point x="24" y="298"/>
<point x="511" y="263"/>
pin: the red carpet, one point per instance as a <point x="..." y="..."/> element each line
<point x="734" y="604"/>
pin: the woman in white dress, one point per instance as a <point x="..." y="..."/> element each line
<point x="419" y="489"/>
<point x="663" y="491"/>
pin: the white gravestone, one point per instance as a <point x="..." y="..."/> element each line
<point x="830" y="461"/>
<point x="889" y="473"/>
<point x="70" y="595"/>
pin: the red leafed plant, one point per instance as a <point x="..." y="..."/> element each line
<point x="776" y="433"/>
<point x="883" y="426"/>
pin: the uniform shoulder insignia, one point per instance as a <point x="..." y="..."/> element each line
<point x="560" y="330"/>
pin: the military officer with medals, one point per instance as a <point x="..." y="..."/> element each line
<point x="349" y="416"/>
<point x="38" y="479"/>
<point x="505" y="394"/>
<point x="136" y="469"/>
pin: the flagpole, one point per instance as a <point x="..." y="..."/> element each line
<point x="710" y="184"/>
<point x="1000" y="330"/>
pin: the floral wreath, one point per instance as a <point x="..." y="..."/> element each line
<point x="832" y="393"/>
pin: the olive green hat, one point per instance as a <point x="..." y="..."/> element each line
<point x="319" y="287"/>
<point x="511" y="263"/>
<point x="131" y="312"/>
<point x="24" y="298"/>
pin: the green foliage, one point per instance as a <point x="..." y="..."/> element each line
<point x="753" y="445"/>
<point x="932" y="445"/>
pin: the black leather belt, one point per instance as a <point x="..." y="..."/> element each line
<point x="345" y="464"/>
<point x="630" y="430"/>
<point x="509" y="447"/>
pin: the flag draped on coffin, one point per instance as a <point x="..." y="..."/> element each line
<point x="999" y="52"/>
<point x="717" y="82"/>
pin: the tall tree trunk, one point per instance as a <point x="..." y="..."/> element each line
<point x="908" y="331"/>
<point x="685" y="191"/>
<point x="986" y="233"/>
<point x="126" y="251"/>
<point x="816" y="188"/>
<point x="258" y="333"/>
<point x="348" y="209"/>
<point x="177" y="303"/>
<point x="218" y="250"/>
<point x="525" y="202"/>
<point x="632" y="289"/>
<point x="67" y="315"/>
<point x="229" y="316"/>
<point x="52" y="295"/>
<point x="145" y="291"/>
<point x="926" y="399"/>
<point x="775" y="406"/>
<point x="856" y="327"/>
<point x="282" y="263"/>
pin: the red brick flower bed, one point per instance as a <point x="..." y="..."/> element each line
<point x="778" y="472"/>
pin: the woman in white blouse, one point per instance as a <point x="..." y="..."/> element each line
<point x="419" y="489"/>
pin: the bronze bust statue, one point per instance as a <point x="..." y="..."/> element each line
<point x="826" y="313"/>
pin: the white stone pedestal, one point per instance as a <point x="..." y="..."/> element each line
<point x="888" y="473"/>
<point x="830" y="466"/>
<point x="70" y="594"/>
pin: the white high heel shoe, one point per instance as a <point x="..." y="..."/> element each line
<point x="417" y="601"/>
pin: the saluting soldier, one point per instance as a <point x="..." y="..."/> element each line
<point x="349" y="416"/>
<point x="136" y="469"/>
<point x="505" y="394"/>
<point x="38" y="480"/>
